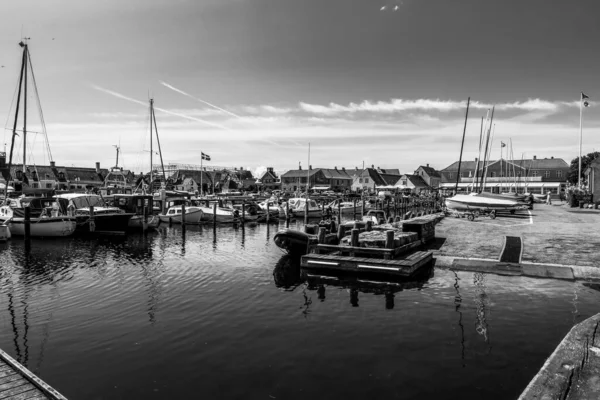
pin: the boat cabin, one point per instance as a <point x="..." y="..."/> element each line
<point x="134" y="203"/>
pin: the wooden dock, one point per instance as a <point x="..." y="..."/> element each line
<point x="403" y="267"/>
<point x="18" y="383"/>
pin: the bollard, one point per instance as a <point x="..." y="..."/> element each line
<point x="354" y="238"/>
<point x="389" y="239"/>
<point x="92" y="220"/>
<point x="322" y="233"/>
<point x="369" y="226"/>
<point x="183" y="214"/>
<point x="243" y="213"/>
<point x="215" y="214"/>
<point x="27" y="222"/>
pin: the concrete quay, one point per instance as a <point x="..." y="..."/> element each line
<point x="550" y="241"/>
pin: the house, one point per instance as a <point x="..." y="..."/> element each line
<point x="190" y="180"/>
<point x="269" y="180"/>
<point x="415" y="183"/>
<point x="368" y="179"/>
<point x="318" y="178"/>
<point x="528" y="175"/>
<point x="432" y="177"/>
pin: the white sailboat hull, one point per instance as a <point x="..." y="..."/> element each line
<point x="194" y="216"/>
<point x="44" y="227"/>
<point x="462" y="202"/>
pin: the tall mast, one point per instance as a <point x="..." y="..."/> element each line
<point x="485" y="156"/>
<point x="476" y="175"/>
<point x="580" y="136"/>
<point x="151" y="109"/>
<point x="162" y="165"/>
<point x="25" y="111"/>
<point x="461" y="146"/>
<point x="308" y="173"/>
<point x="12" y="142"/>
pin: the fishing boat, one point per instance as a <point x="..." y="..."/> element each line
<point x="93" y="215"/>
<point x="464" y="202"/>
<point x="193" y="215"/>
<point x="47" y="218"/>
<point x="141" y="206"/>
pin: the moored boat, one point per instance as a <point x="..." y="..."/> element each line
<point x="463" y="202"/>
<point x="293" y="241"/>
<point x="193" y="215"/>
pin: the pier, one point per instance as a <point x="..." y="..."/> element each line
<point x="18" y="383"/>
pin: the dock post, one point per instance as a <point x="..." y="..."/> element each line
<point x="243" y="213"/>
<point x="341" y="232"/>
<point x="170" y="221"/>
<point x="339" y="212"/>
<point x="287" y="211"/>
<point x="354" y="237"/>
<point x="390" y="220"/>
<point x="389" y="239"/>
<point x="363" y="207"/>
<point x="145" y="217"/>
<point x="369" y="226"/>
<point x="354" y="210"/>
<point x="388" y="207"/>
<point x="306" y="210"/>
<point x="268" y="212"/>
<point x="322" y="233"/>
<point x="215" y="214"/>
<point x="183" y="214"/>
<point x="27" y="222"/>
<point x="332" y="226"/>
<point x="92" y="220"/>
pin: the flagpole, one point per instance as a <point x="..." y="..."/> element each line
<point x="580" y="136"/>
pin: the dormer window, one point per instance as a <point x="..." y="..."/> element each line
<point x="61" y="176"/>
<point x="19" y="174"/>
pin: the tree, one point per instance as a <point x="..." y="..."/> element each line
<point x="585" y="161"/>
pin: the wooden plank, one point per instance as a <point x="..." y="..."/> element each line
<point x="5" y="367"/>
<point x="10" y="393"/>
<point x="33" y="394"/>
<point x="10" y="378"/>
<point x="7" y="372"/>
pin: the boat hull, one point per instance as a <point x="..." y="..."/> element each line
<point x="482" y="203"/>
<point x="191" y="217"/>
<point x="115" y="224"/>
<point x="44" y="227"/>
<point x="137" y="222"/>
<point x="5" y="233"/>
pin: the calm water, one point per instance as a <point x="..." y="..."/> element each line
<point x="229" y="317"/>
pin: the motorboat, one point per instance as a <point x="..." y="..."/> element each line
<point x="300" y="208"/>
<point x="465" y="202"/>
<point x="193" y="215"/>
<point x="378" y="217"/>
<point x="47" y="218"/>
<point x="293" y="241"/>
<point x="223" y="214"/>
<point x="93" y="215"/>
<point x="345" y="207"/>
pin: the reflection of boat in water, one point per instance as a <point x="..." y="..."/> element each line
<point x="286" y="273"/>
<point x="463" y="202"/>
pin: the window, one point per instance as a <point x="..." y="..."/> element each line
<point x="559" y="174"/>
<point x="462" y="174"/>
<point x="359" y="180"/>
<point x="450" y="175"/>
<point x="493" y="175"/>
<point x="366" y="180"/>
<point x="534" y="173"/>
<point x="547" y="174"/>
<point x="48" y="186"/>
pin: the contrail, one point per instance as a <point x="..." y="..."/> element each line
<point x="200" y="100"/>
<point x="120" y="96"/>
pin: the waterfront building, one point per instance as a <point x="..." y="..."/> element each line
<point x="432" y="177"/>
<point x="269" y="180"/>
<point x="532" y="175"/>
<point x="318" y="178"/>
<point x="189" y="180"/>
<point x="415" y="183"/>
<point x="592" y="177"/>
<point x="368" y="179"/>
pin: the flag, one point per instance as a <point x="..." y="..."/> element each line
<point x="205" y="157"/>
<point x="503" y="144"/>
<point x="584" y="99"/>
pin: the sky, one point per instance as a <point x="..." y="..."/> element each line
<point x="253" y="82"/>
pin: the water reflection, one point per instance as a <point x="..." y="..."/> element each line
<point x="286" y="273"/>
<point x="457" y="304"/>
<point x="482" y="306"/>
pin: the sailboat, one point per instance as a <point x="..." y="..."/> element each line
<point x="47" y="217"/>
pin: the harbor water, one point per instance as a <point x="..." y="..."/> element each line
<point x="224" y="314"/>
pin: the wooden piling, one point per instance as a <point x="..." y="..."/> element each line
<point x="306" y="209"/>
<point x="339" y="212"/>
<point x="341" y="232"/>
<point x="354" y="237"/>
<point x="362" y="212"/>
<point x="268" y="212"/>
<point x="183" y="214"/>
<point x="27" y="222"/>
<point x="354" y="210"/>
<point x="243" y="212"/>
<point x="287" y="211"/>
<point x="369" y="226"/>
<point x="389" y="239"/>
<point x="215" y="214"/>
<point x="322" y="234"/>
<point x="92" y="220"/>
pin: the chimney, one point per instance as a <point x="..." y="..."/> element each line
<point x="310" y="167"/>
<point x="476" y="159"/>
<point x="52" y="164"/>
<point x="97" y="167"/>
<point x="373" y="166"/>
<point x="535" y="157"/>
<point x="427" y="165"/>
<point x="241" y="168"/>
<point x="343" y="168"/>
<point x="356" y="168"/>
<point x="552" y="157"/>
<point x="300" y="167"/>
